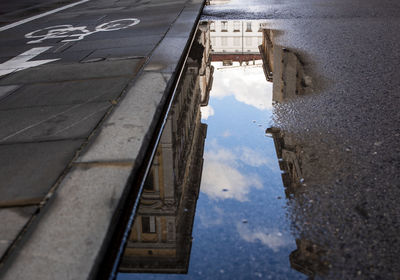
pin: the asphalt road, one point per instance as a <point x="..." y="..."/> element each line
<point x="61" y="75"/>
<point x="345" y="129"/>
<point x="12" y="11"/>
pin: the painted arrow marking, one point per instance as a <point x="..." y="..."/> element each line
<point x="22" y="62"/>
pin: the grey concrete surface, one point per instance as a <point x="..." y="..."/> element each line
<point x="12" y="222"/>
<point x="96" y="98"/>
<point x="65" y="93"/>
<point x="70" y="234"/>
<point x="122" y="135"/>
<point x="32" y="169"/>
<point x="73" y="71"/>
<point x="50" y="123"/>
<point x="7" y="90"/>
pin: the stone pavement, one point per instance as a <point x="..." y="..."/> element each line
<point x="74" y="127"/>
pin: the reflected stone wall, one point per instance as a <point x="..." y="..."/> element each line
<point x="160" y="239"/>
<point x="283" y="67"/>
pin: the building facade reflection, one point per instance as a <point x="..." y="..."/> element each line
<point x="236" y="41"/>
<point x="284" y="67"/>
<point x="160" y="239"/>
<point x="289" y="157"/>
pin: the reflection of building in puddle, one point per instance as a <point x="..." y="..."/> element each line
<point x="160" y="239"/>
<point x="236" y="41"/>
<point x="283" y="67"/>
<point x="308" y="258"/>
<point x="289" y="157"/>
<point x="206" y="69"/>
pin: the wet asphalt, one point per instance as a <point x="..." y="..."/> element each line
<point x="344" y="129"/>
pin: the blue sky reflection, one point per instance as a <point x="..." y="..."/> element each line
<point x="241" y="230"/>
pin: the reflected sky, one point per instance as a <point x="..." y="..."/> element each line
<point x="241" y="206"/>
<point x="241" y="230"/>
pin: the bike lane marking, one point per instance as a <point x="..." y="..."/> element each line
<point x="21" y="61"/>
<point x="72" y="33"/>
<point x="41" y="15"/>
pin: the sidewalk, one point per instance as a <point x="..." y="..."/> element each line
<point x="74" y="128"/>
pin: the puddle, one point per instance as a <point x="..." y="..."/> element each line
<point x="214" y="204"/>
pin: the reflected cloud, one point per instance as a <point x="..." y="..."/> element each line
<point x="252" y="157"/>
<point x="246" y="84"/>
<point x="226" y="134"/>
<point x="213" y="218"/>
<point x="272" y="238"/>
<point x="221" y="181"/>
<point x="206" y="112"/>
<point x="221" y="176"/>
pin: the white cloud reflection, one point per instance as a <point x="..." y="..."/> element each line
<point x="211" y="218"/>
<point x="221" y="176"/>
<point x="272" y="238"/>
<point x="252" y="157"/>
<point x="206" y="112"/>
<point x="247" y="84"/>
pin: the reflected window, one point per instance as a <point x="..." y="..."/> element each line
<point x="236" y="41"/>
<point x="249" y="41"/>
<point x="224" y="26"/>
<point x="227" y="63"/>
<point x="149" y="224"/>
<point x="224" y="41"/>
<point x="236" y="26"/>
<point x="212" y="27"/>
<point x="248" y="26"/>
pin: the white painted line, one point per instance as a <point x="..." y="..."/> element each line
<point x="20" y="62"/>
<point x="41" y="15"/>
<point x="72" y="33"/>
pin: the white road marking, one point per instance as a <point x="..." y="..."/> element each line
<point x="41" y="15"/>
<point x="72" y="33"/>
<point x="21" y="62"/>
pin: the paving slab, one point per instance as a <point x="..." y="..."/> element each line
<point x="30" y="177"/>
<point x="91" y="190"/>
<point x="12" y="222"/>
<point x="139" y="51"/>
<point x="99" y="44"/>
<point x="71" y="72"/>
<point x="168" y="54"/>
<point x="5" y="91"/>
<point x="50" y="122"/>
<point x="64" y="93"/>
<point x="123" y="134"/>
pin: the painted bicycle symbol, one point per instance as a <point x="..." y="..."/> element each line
<point x="72" y="33"/>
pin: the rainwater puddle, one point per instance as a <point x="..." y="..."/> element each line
<point x="216" y="202"/>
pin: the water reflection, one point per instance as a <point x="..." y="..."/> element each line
<point x="289" y="157"/>
<point x="308" y="258"/>
<point x="284" y="67"/>
<point x="241" y="229"/>
<point x="286" y="70"/>
<point x="160" y="239"/>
